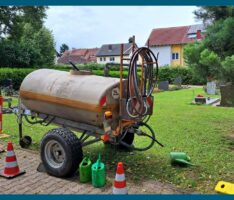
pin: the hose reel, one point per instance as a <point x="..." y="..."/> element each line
<point x="139" y="91"/>
<point x="141" y="87"/>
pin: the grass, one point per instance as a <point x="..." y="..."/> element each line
<point x="206" y="133"/>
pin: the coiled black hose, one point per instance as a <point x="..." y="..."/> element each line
<point x="140" y="89"/>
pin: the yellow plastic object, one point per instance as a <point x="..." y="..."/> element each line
<point x="108" y="114"/>
<point x="225" y="187"/>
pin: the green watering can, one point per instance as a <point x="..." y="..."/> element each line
<point x="98" y="173"/>
<point x="180" y="158"/>
<point x="85" y="170"/>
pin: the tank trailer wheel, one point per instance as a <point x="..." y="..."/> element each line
<point x="61" y="152"/>
<point x="25" y="141"/>
<point x="128" y="139"/>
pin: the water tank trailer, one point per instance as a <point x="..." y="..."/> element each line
<point x="99" y="108"/>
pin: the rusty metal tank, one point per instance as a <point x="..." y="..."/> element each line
<point x="76" y="95"/>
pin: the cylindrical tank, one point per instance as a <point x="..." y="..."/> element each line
<point x="80" y="97"/>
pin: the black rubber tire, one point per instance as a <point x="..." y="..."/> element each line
<point x="25" y="141"/>
<point x="128" y="139"/>
<point x="72" y="148"/>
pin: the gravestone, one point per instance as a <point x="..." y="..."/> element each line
<point x="211" y="88"/>
<point x="106" y="71"/>
<point x="163" y="85"/>
<point x="227" y="95"/>
<point x="6" y="83"/>
<point x="178" y="81"/>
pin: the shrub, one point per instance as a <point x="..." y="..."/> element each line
<point x="170" y="73"/>
<point x="165" y="73"/>
<point x="228" y="69"/>
<point x="17" y="75"/>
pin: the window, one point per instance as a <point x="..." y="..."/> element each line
<point x="100" y="59"/>
<point x="104" y="59"/>
<point x="112" y="58"/>
<point x="175" y="56"/>
<point x="192" y="35"/>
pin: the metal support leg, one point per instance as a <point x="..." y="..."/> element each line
<point x="20" y="120"/>
<point x="20" y="131"/>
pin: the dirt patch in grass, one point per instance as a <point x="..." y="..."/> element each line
<point x="231" y="135"/>
<point x="229" y="138"/>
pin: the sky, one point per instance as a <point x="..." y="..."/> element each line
<point x="92" y="26"/>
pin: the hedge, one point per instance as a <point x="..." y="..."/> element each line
<point x="187" y="75"/>
<point x="16" y="74"/>
<point x="165" y="73"/>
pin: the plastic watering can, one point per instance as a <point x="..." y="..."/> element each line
<point x="98" y="173"/>
<point x="180" y="158"/>
<point x="85" y="170"/>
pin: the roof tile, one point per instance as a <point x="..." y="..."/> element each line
<point x="169" y="36"/>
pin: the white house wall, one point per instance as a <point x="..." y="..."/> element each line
<point x="164" y="57"/>
<point x="107" y="59"/>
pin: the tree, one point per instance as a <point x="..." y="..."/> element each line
<point x="207" y="57"/>
<point x="28" y="43"/>
<point x="205" y="63"/>
<point x="63" y="48"/>
<point x="44" y="41"/>
<point x="218" y="56"/>
<point x="25" y="41"/>
<point x="34" y="15"/>
<point x="210" y="61"/>
<point x="210" y="14"/>
<point x="228" y="69"/>
<point x="13" y="54"/>
<point x="220" y="37"/>
<point x="13" y="18"/>
<point x="33" y="49"/>
<point x="8" y="19"/>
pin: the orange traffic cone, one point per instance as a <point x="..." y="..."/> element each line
<point x="120" y="182"/>
<point x="11" y="169"/>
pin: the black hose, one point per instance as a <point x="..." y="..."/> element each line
<point x="152" y="136"/>
<point x="34" y="122"/>
<point x="42" y="122"/>
<point x="136" y="96"/>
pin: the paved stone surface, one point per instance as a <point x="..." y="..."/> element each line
<point x="34" y="182"/>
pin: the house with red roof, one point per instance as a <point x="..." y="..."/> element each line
<point x="79" y="56"/>
<point x="169" y="42"/>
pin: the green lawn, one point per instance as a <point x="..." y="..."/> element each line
<point x="206" y="133"/>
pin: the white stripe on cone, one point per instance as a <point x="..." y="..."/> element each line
<point x="120" y="191"/>
<point x="120" y="177"/>
<point x="10" y="153"/>
<point x="11" y="164"/>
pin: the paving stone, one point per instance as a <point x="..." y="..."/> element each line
<point x="34" y="182"/>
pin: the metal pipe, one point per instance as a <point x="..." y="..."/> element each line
<point x="121" y="86"/>
<point x="90" y="142"/>
<point x="121" y="72"/>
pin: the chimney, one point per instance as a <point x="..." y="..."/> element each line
<point x="199" y="36"/>
<point x="110" y="47"/>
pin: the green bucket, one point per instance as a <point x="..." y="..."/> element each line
<point x="180" y="158"/>
<point x="98" y="173"/>
<point x="85" y="170"/>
